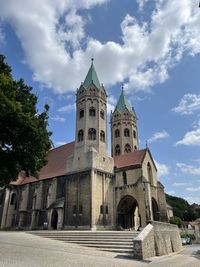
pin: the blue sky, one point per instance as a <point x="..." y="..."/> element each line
<point x="153" y="47"/>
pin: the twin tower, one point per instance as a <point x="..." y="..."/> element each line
<point x="91" y="125"/>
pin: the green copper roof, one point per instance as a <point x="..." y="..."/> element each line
<point x="91" y="77"/>
<point x="123" y="104"/>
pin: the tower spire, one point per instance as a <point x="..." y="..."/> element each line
<point x="91" y="77"/>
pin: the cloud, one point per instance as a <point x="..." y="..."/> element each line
<point x="188" y="169"/>
<point x="111" y="103"/>
<point x="2" y="37"/>
<point x="58" y="119"/>
<point x="171" y="192"/>
<point x="163" y="169"/>
<point x="158" y="135"/>
<point x="193" y="189"/>
<point x="192" y="199"/>
<point x="68" y="108"/>
<point x="180" y="184"/>
<point x="59" y="143"/>
<point x="188" y="104"/>
<point x="191" y="138"/>
<point x="57" y="48"/>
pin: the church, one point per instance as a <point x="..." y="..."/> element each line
<point x="82" y="186"/>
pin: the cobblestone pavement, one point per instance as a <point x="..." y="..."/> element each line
<point x="19" y="249"/>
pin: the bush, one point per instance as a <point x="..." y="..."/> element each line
<point x="176" y="220"/>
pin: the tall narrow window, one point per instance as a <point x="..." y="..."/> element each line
<point x="134" y="133"/>
<point x="126" y="132"/>
<point x="13" y="199"/>
<point x="80" y="135"/>
<point x="124" y="178"/>
<point x="117" y="133"/>
<point x="80" y="209"/>
<point x="74" y="209"/>
<point x="102" y="114"/>
<point x="92" y="134"/>
<point x="102" y="136"/>
<point x="149" y="171"/>
<point x="92" y="112"/>
<point x="106" y="209"/>
<point x="127" y="148"/>
<point x="81" y="114"/>
<point x="101" y="209"/>
<point x="117" y="150"/>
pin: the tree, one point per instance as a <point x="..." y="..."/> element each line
<point x="176" y="220"/>
<point x="24" y="138"/>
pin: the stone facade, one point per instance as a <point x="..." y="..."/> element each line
<point x="82" y="187"/>
<point x="157" y="239"/>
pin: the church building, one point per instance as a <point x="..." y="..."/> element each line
<point x="82" y="186"/>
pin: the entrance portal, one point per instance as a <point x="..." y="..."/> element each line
<point x="128" y="216"/>
<point x="54" y="219"/>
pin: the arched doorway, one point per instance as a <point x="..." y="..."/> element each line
<point x="54" y="219"/>
<point x="155" y="210"/>
<point x="127" y="213"/>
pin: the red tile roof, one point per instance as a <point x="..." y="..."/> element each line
<point x="56" y="165"/>
<point x="131" y="159"/>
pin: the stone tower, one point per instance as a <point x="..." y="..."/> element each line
<point x="91" y="121"/>
<point x="124" y="133"/>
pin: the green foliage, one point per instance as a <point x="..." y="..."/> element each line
<point x="24" y="138"/>
<point x="176" y="220"/>
<point x="181" y="208"/>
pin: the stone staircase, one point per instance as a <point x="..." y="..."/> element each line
<point x="120" y="242"/>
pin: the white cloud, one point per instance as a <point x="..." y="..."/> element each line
<point x="191" y="138"/>
<point x="2" y="37"/>
<point x="188" y="104"/>
<point x="193" y="189"/>
<point x="192" y="199"/>
<point x="170" y="192"/>
<point x="158" y="135"/>
<point x="57" y="49"/>
<point x="180" y="184"/>
<point x="111" y="103"/>
<point x="188" y="169"/>
<point x="59" y="143"/>
<point x="58" y="119"/>
<point x="68" y="108"/>
<point x="163" y="169"/>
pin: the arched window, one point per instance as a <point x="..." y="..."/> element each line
<point x="124" y="178"/>
<point x="80" y="135"/>
<point x="135" y="147"/>
<point x="102" y="114"/>
<point x="102" y="136"/>
<point x="134" y="133"/>
<point x="149" y="171"/>
<point x="126" y="132"/>
<point x="92" y="112"/>
<point x="117" y="133"/>
<point x="92" y="134"/>
<point x="127" y="148"/>
<point x="81" y="114"/>
<point x="13" y="199"/>
<point x="117" y="150"/>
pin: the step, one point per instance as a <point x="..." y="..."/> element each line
<point x="111" y="241"/>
